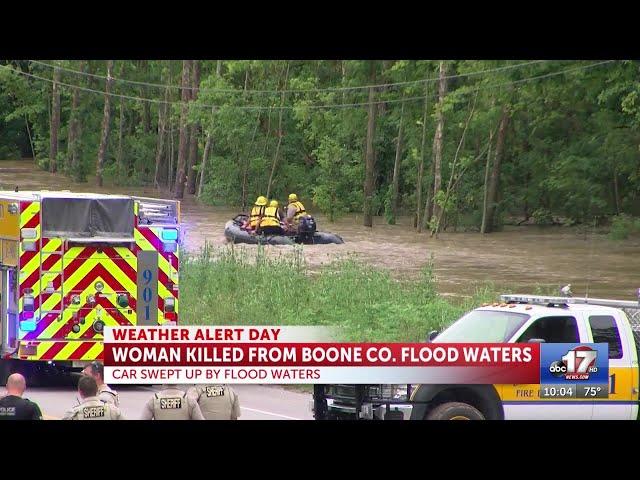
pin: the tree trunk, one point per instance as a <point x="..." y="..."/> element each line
<point x="162" y="121"/>
<point x="428" y="203"/>
<point x="370" y="154"/>
<point x="615" y="190"/>
<point x="121" y="128"/>
<point x="55" y="121"/>
<point x="207" y="145"/>
<point x="106" y="120"/>
<point x="205" y="158"/>
<point x="72" y="140"/>
<point x="450" y="186"/>
<point x="280" y="133"/>
<point x="483" y="227"/>
<point x="437" y="141"/>
<point x="419" y="182"/>
<point x="195" y="133"/>
<point x="183" y="144"/>
<point x="396" y="171"/>
<point x="494" y="179"/>
<point x="146" y="109"/>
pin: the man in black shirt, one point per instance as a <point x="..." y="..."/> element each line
<point x="13" y="406"/>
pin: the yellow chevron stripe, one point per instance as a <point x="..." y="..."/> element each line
<point x="31" y="211"/>
<point x="128" y="284"/>
<point x="31" y="266"/>
<point x="94" y="351"/>
<point x="68" y="314"/>
<point x="163" y="291"/>
<point x="163" y="263"/>
<point x="67" y="350"/>
<point x="69" y="257"/>
<point x="69" y="283"/>
<point x="69" y="311"/>
<point x="54" y="245"/>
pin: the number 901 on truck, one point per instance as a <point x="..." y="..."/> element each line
<point x="73" y="263"/>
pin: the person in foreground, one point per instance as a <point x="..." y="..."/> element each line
<point x="13" y="406"/>
<point x="91" y="407"/>
<point x="171" y="403"/>
<point x="105" y="393"/>
<point x="217" y="402"/>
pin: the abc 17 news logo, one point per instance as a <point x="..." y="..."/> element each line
<point x="577" y="364"/>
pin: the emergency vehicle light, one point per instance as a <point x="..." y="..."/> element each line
<point x="28" y="325"/>
<point x="29" y="233"/>
<point x="29" y="246"/>
<point x="169" y="304"/>
<point x="169" y="247"/>
<point x="170" y="234"/>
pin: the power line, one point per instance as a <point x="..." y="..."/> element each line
<point x="290" y="107"/>
<point x="278" y="92"/>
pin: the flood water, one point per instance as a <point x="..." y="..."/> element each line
<point x="516" y="260"/>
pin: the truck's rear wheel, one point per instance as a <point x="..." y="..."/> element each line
<point x="455" y="411"/>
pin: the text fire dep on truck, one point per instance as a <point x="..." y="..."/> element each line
<point x="73" y="263"/>
<point x="516" y="319"/>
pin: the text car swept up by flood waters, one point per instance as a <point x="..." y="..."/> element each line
<point x="515" y="259"/>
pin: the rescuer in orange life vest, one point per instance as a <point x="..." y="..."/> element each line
<point x="257" y="211"/>
<point x="270" y="221"/>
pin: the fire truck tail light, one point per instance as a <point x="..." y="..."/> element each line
<point x="28" y="304"/>
<point x="29" y="233"/>
<point x="171" y="316"/>
<point x="169" y="247"/>
<point x="170" y="234"/>
<point x="29" y="246"/>
<point x="169" y="304"/>
<point x="27" y="314"/>
<point x="28" y="325"/>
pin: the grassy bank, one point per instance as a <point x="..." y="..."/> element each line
<point x="227" y="286"/>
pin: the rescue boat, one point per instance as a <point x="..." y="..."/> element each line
<point x="234" y="233"/>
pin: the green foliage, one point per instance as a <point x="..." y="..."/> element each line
<point x="623" y="226"/>
<point x="570" y="149"/>
<point x="229" y="285"/>
<point x="542" y="216"/>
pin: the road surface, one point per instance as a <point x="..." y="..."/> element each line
<point x="257" y="402"/>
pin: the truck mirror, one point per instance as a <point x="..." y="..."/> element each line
<point x="432" y="335"/>
<point x="537" y="340"/>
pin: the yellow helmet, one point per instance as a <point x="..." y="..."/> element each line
<point x="273" y="203"/>
<point x="261" y="201"/>
<point x="293" y="197"/>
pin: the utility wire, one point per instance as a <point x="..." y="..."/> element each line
<point x="291" y="107"/>
<point x="278" y="92"/>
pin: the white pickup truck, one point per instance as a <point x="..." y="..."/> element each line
<point x="516" y="318"/>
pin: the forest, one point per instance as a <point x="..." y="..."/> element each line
<point x="451" y="143"/>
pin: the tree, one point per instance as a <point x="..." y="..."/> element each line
<point x="370" y="154"/>
<point x="492" y="189"/>
<point x="106" y="120"/>
<point x="437" y="139"/>
<point x="423" y="143"/>
<point x="195" y="131"/>
<point x="55" y="120"/>
<point x="183" y="135"/>
<point x="280" y="132"/>
<point x="73" y="142"/>
<point x="395" y="183"/>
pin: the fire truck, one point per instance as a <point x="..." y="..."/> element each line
<point x="73" y="263"/>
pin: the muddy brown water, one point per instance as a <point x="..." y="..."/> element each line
<point x="516" y="259"/>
